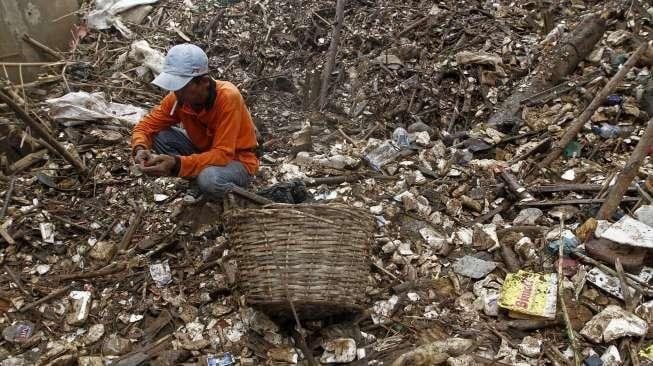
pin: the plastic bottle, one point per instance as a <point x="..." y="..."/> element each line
<point x="400" y="137"/>
<point x="608" y="131"/>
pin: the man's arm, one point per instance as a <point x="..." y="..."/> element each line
<point x="234" y="127"/>
<point x="159" y="118"/>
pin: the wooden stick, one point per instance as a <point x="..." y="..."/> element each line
<point x="573" y="187"/>
<point x="414" y="25"/>
<point x="625" y="178"/>
<point x="515" y="186"/>
<point x="27" y="161"/>
<point x="129" y="234"/>
<point x="333" y="49"/>
<point x="39" y="129"/>
<point x="57" y="55"/>
<point x="576" y="125"/>
<point x="110" y="269"/>
<point x="635" y="282"/>
<point x="46" y="298"/>
<point x="250" y="196"/>
<point x="5" y="235"/>
<point x="563" y="306"/>
<point x="583" y="201"/>
<point x="625" y="289"/>
<point x="10" y="191"/>
<point x="34" y="64"/>
<point x="16" y="280"/>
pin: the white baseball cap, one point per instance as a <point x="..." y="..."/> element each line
<point x="182" y="63"/>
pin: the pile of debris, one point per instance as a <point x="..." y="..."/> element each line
<point x="501" y="147"/>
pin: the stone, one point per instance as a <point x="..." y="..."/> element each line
<point x="103" y="250"/>
<point x="614" y="323"/>
<point x="473" y="267"/>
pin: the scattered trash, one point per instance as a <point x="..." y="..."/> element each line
<point x="80" y="305"/>
<point x="18" y="332"/>
<point x="530" y="293"/>
<point x="613" y="323"/>
<point x="79" y="107"/>
<point x="160" y="273"/>
<point x="341" y="350"/>
<point x="473" y="267"/>
<point x="454" y="124"/>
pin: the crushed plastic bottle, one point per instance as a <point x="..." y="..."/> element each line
<point x="400" y="137"/>
<point x="225" y="359"/>
<point x="383" y="154"/>
<point x="608" y="131"/>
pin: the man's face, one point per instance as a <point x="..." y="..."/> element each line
<point x="193" y="93"/>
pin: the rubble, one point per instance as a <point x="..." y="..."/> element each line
<point x="438" y="120"/>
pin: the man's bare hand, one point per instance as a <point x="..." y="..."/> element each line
<point x="143" y="157"/>
<point x="159" y="165"/>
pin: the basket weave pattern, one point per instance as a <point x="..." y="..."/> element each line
<point x="315" y="255"/>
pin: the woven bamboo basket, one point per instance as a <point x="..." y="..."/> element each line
<point x="315" y="256"/>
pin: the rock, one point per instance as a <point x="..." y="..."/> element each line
<point x="283" y="354"/>
<point x="90" y="361"/>
<point x="103" y="250"/>
<point x="116" y="346"/>
<point x="613" y="323"/>
<point x="473" y="267"/>
<point x="340" y="350"/>
<point x="611" y="356"/>
<point x="530" y="347"/>
<point x="80" y="306"/>
<point x="94" y="334"/>
<point x="419" y="127"/>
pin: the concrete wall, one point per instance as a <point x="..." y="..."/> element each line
<point x="34" y="17"/>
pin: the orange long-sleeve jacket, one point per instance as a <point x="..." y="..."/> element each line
<point x="222" y="132"/>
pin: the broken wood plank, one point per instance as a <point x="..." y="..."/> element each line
<point x="553" y="67"/>
<point x="626" y="176"/>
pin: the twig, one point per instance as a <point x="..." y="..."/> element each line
<point x="57" y="55"/>
<point x="575" y="126"/>
<point x="625" y="289"/>
<point x="625" y="178"/>
<point x="299" y="335"/>
<point x="46" y="298"/>
<point x="250" y="196"/>
<point x="635" y="282"/>
<point x="380" y="268"/>
<point x="16" y="280"/>
<point x="563" y="306"/>
<point x="68" y="222"/>
<point x="414" y="25"/>
<point x="583" y="201"/>
<point x="331" y="53"/>
<point x="347" y="137"/>
<point x="129" y="234"/>
<point x="38" y="128"/>
<point x="10" y="191"/>
<point x="515" y="186"/>
<point x="110" y="269"/>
